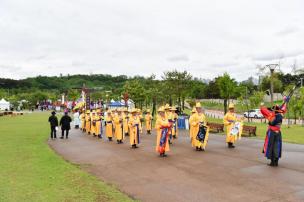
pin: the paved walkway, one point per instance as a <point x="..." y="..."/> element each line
<point x="218" y="174"/>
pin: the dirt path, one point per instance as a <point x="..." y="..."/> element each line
<point x="218" y="174"/>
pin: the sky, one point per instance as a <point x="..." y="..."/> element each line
<point x="144" y="37"/>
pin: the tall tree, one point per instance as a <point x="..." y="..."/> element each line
<point x="178" y="83"/>
<point x="227" y="88"/>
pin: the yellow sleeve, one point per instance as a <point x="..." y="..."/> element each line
<point x="194" y="121"/>
<point x="225" y="120"/>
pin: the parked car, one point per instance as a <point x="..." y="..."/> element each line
<point x="254" y="113"/>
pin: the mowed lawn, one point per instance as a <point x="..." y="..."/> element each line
<point x="31" y="171"/>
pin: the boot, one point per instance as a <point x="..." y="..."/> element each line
<point x="276" y="162"/>
<point x="197" y="149"/>
<point x="174" y="136"/>
<point x="271" y="163"/>
<point x="110" y="139"/>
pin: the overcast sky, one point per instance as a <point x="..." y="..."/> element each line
<point x="141" y="37"/>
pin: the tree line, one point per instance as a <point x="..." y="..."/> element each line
<point x="174" y="87"/>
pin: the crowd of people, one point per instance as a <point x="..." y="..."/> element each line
<point x="120" y="123"/>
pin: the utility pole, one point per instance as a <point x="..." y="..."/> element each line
<point x="271" y="67"/>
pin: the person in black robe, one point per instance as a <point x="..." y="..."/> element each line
<point x="53" y="123"/>
<point x="65" y="123"/>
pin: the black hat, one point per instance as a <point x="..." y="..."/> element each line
<point x="53" y="112"/>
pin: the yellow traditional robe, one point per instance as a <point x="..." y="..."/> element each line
<point x="134" y="124"/>
<point x="148" y="119"/>
<point x="118" y="127"/>
<point x="197" y="120"/>
<point x="126" y="123"/>
<point x="229" y="120"/>
<point x="82" y="118"/>
<point x="88" y="123"/>
<point x="158" y="124"/>
<point x="174" y="117"/>
<point x="98" y="120"/>
<point x="109" y="126"/>
<point x="190" y="127"/>
<point x="93" y="124"/>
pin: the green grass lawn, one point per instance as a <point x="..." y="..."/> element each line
<point x="31" y="171"/>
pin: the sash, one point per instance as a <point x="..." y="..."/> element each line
<point x="137" y="132"/>
<point x="201" y="133"/>
<point x="163" y="140"/>
<point x="276" y="128"/>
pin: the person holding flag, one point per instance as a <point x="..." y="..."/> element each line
<point x="273" y="140"/>
<point x="148" y="119"/>
<point x="234" y="126"/>
<point x="135" y="128"/>
<point x="163" y="128"/>
<point x="200" y="130"/>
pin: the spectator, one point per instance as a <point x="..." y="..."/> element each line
<point x="53" y="123"/>
<point x="65" y="123"/>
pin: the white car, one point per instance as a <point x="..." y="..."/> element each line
<point x="254" y="113"/>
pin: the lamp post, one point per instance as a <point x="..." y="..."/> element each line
<point x="271" y="67"/>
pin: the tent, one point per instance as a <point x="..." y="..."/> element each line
<point x="4" y="105"/>
<point x="114" y="104"/>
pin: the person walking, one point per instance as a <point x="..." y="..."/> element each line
<point x="53" y="123"/>
<point x="65" y="123"/>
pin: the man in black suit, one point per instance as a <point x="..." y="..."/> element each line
<point x="65" y="125"/>
<point x="53" y="123"/>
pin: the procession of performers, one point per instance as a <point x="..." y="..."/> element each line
<point x="119" y="123"/>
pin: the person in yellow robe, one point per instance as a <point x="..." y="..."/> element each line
<point x="93" y="123"/>
<point x="88" y="122"/>
<point x="126" y="122"/>
<point x="135" y="128"/>
<point x="167" y="110"/>
<point x="163" y="128"/>
<point x="230" y="121"/>
<point x="190" y="122"/>
<point x="98" y="120"/>
<point x="109" y="125"/>
<point x="118" y="122"/>
<point x="82" y="118"/>
<point x="200" y="129"/>
<point x="173" y="118"/>
<point x="148" y="119"/>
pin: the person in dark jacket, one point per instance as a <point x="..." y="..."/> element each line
<point x="53" y="123"/>
<point x="65" y="123"/>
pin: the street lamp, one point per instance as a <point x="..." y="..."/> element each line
<point x="271" y="67"/>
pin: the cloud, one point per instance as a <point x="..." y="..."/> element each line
<point x="178" y="58"/>
<point x="278" y="55"/>
<point x="135" y="37"/>
<point x="287" y="31"/>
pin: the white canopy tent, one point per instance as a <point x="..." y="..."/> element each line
<point x="4" y="105"/>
